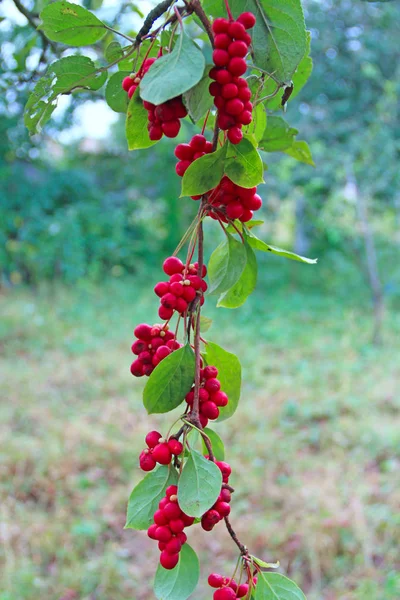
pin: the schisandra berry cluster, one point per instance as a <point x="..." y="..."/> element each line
<point x="211" y="397"/>
<point x="169" y="523"/>
<point x="131" y="83"/>
<point x="221" y="508"/>
<point x="233" y="201"/>
<point x="153" y="344"/>
<point x="158" y="451"/>
<point x="228" y="589"/>
<point x="182" y="288"/>
<point x="231" y="92"/>
<point x="188" y="153"/>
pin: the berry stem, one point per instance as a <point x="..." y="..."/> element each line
<point x="197" y="8"/>
<point x="242" y="547"/>
<point x="228" y="10"/>
<point x="207" y="443"/>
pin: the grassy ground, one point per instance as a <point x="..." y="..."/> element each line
<point x="314" y="445"/>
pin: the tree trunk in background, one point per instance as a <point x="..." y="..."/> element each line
<point x="301" y="240"/>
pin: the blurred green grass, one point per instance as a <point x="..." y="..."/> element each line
<point x="314" y="445"/>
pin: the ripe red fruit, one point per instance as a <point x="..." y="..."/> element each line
<point x="146" y="461"/>
<point x="203" y="395"/>
<point x="171" y="490"/>
<point x="176" y="526"/>
<point x="139" y="346"/>
<point x="225" y="495"/>
<point x="244" y="93"/>
<point x="168" y="300"/>
<point x="185" y="151"/>
<point x="212" y="385"/>
<point x="152" y="438"/>
<point x="155" y="133"/>
<point x="210" y="410"/>
<point x="143" y="332"/>
<point x="220" y="25"/>
<point x="161" y="288"/>
<point x="247" y="19"/>
<point x="172" y="511"/>
<point x="221" y="58"/>
<point x="223" y="76"/>
<point x="246" y="216"/>
<point x="245" y="117"/>
<point x="230" y="90"/>
<point x="127" y="83"/>
<point x="234" y="210"/>
<point x="171" y="128"/>
<point x="211" y="517"/>
<point x="198" y="142"/>
<point x="162" y="454"/>
<point x="242" y="590"/>
<point x="187" y="520"/>
<point x="235" y="135"/>
<point x="165" y="313"/>
<point x="137" y="368"/>
<point x="237" y="65"/>
<point x="174" y="546"/>
<point x="160" y="518"/>
<point x="215" y="580"/>
<point x="189" y="293"/>
<point x="164" y="501"/>
<point x="175" y="446"/>
<point x="254" y="203"/>
<point x="214" y="88"/>
<point x="203" y="420"/>
<point x="238" y="48"/>
<point x="163" y="533"/>
<point x="181" y="305"/>
<point x="168" y="561"/>
<point x="234" y="106"/>
<point x="224" y="594"/>
<point x="151" y="531"/>
<point x="182" y="537"/>
<point x="172" y="265"/>
<point x="181" y="167"/>
<point x="222" y="40"/>
<point x="162" y="352"/>
<point x="223" y="508"/>
<point x="236" y="30"/>
<point x="224" y="467"/>
<point x="210" y="372"/>
<point x="132" y="90"/>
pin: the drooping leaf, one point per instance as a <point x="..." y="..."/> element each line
<point x="63" y="76"/>
<point x="278" y="135"/>
<point x="198" y="100"/>
<point x="205" y="173"/>
<point x="279" y="36"/>
<point x="301" y="152"/>
<point x="116" y="97"/>
<point x="113" y="52"/>
<point x="170" y="381"/>
<point x="264" y="564"/>
<point x="226" y="265"/>
<point x="174" y="73"/>
<point x="71" y="24"/>
<point x="178" y="583"/>
<point x="137" y="134"/>
<point x="199" y="485"/>
<point x="229" y="374"/>
<point x="258" y="244"/>
<point x="216" y="443"/>
<point x="274" y="586"/>
<point x="144" y="499"/>
<point x="259" y="123"/>
<point x="243" y="164"/>
<point x="245" y="285"/>
<point x="239" y="225"/>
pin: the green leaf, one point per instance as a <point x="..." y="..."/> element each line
<point x="114" y="52"/>
<point x="178" y="583"/>
<point x="259" y="123"/>
<point x="279" y="35"/>
<point x="258" y="244"/>
<point x="198" y="100"/>
<point x="199" y="485"/>
<point x="278" y="135"/>
<point x="245" y="286"/>
<point x="229" y="374"/>
<point x="137" y="134"/>
<point x="205" y="323"/>
<point x="63" y="76"/>
<point x="215" y="8"/>
<point x="301" y="152"/>
<point x="175" y="73"/>
<point x="216" y="443"/>
<point x="274" y="586"/>
<point x="204" y="174"/>
<point x="170" y="381"/>
<point x="71" y="24"/>
<point x="226" y="265"/>
<point x="265" y="565"/>
<point x="144" y="499"/>
<point x="243" y="164"/>
<point x="116" y="97"/>
<point x="239" y="225"/>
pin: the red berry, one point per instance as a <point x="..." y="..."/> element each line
<point x="162" y="454"/>
<point x="143" y="332"/>
<point x="247" y="19"/>
<point x="248" y="106"/>
<point x="234" y="106"/>
<point x="139" y="346"/>
<point x="145" y="357"/>
<point x="187" y="520"/>
<point x="211" y="517"/>
<point x="220" y="398"/>
<point x="203" y="421"/>
<point x="174" y="546"/>
<point x="137" y="368"/>
<point x="160" y="518"/>
<point x="254" y="203"/>
<point x="222" y="40"/>
<point x="237" y="65"/>
<point x="225" y="121"/>
<point x="203" y="395"/>
<point x="146" y="461"/>
<point x="181" y="305"/>
<point x="162" y="352"/>
<point x="172" y="265"/>
<point x="225" y="495"/>
<point x="235" y="135"/>
<point x="151" y="531"/>
<point x="245" y="118"/>
<point x="163" y="533"/>
<point x="224" y="467"/>
<point x="238" y="48"/>
<point x="230" y="90"/>
<point x="132" y="90"/>
<point x="212" y="385"/>
<point x="148" y="369"/>
<point x="244" y="94"/>
<point x="183" y="537"/>
<point x="152" y="438"/>
<point x="185" y="151"/>
<point x="215" y="580"/>
<point x="162" y="287"/>
<point x="219" y="102"/>
<point x="171" y="490"/>
<point x="223" y="508"/>
<point x="210" y="410"/>
<point x="246" y="216"/>
<point x="198" y="142"/>
<point x="168" y="300"/>
<point x="176" y="525"/>
<point x="177" y="277"/>
<point x="234" y="210"/>
<point x="210" y="372"/>
<point x="220" y="25"/>
<point x="127" y="82"/>
<point x="225" y="593"/>
<point x="164" y="501"/>
<point x="148" y="105"/>
<point x="189" y="293"/>
<point x="175" y="446"/>
<point x="221" y="58"/>
<point x="214" y="88"/>
<point x="172" y="511"/>
<point x="168" y="561"/>
<point x="242" y="590"/>
<point x="223" y="76"/>
<point x="236" y="30"/>
<point x="161" y="546"/>
<point x="171" y="128"/>
<point x="178" y="107"/>
<point x="181" y="167"/>
<point x="155" y="133"/>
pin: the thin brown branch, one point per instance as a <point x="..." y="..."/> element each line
<point x="196" y="7"/>
<point x="242" y="547"/>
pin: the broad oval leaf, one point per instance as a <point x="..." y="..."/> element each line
<point x="238" y="294"/>
<point x="178" y="583"/>
<point x="258" y="244"/>
<point x="301" y="152"/>
<point x="243" y="164"/>
<point x="175" y="73"/>
<point x="170" y="381"/>
<point x="229" y="374"/>
<point x="278" y="135"/>
<point x="274" y="586"/>
<point x="199" y="485"/>
<point x="137" y="133"/>
<point x="216" y="443"/>
<point x="71" y="24"/>
<point x="198" y="100"/>
<point x="226" y="265"/>
<point x="113" y="52"/>
<point x="116" y="97"/>
<point x="144" y="499"/>
<point x="204" y="174"/>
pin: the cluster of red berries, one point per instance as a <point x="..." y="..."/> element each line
<point x="164" y="118"/>
<point x="181" y="289"/>
<point x="234" y="201"/>
<point x="188" y="153"/>
<point x="130" y="83"/>
<point x="211" y="397"/>
<point x="153" y="344"/>
<point x="169" y="523"/>
<point x="158" y="451"/>
<point x="228" y="589"/>
<point x="231" y="92"/>
<point x="221" y="508"/>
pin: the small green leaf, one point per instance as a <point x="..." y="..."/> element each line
<point x="278" y="135"/>
<point x="144" y="499"/>
<point x="258" y="244"/>
<point x="199" y="485"/>
<point x="71" y="24"/>
<point x="265" y="565"/>
<point x="216" y="443"/>
<point x="198" y="100"/>
<point x="170" y="381"/>
<point x="204" y="174"/>
<point x="239" y="225"/>
<point x="259" y="123"/>
<point x="229" y="374"/>
<point x="178" y="583"/>
<point x="238" y="294"/>
<point x="205" y="323"/>
<point x="137" y="134"/>
<point x="274" y="586"/>
<point x="226" y="265"/>
<point x="243" y="164"/>
<point x="116" y="97"/>
<point x="174" y="73"/>
<point x="301" y="152"/>
<point x="113" y="52"/>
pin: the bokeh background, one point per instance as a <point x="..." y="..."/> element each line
<point x="315" y="443"/>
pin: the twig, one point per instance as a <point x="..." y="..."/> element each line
<point x="197" y="8"/>
<point x="242" y="547"/>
